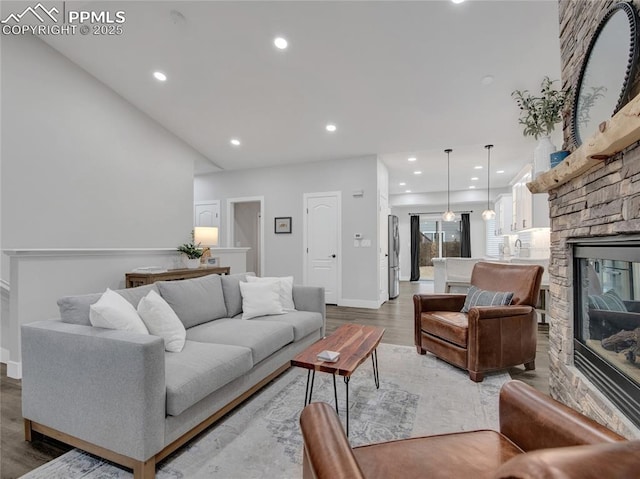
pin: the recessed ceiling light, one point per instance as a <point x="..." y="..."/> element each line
<point x="280" y="43"/>
<point x="472" y="187"/>
<point x="412" y="158"/>
<point x="457" y="1"/>
<point x="407" y="191"/>
<point x="487" y="80"/>
<point x="234" y="142"/>
<point x="477" y="167"/>
<point x="403" y="184"/>
<point x="417" y="172"/>
<point x="475" y="178"/>
<point x="500" y="172"/>
<point x="160" y="76"/>
<point x="331" y="127"/>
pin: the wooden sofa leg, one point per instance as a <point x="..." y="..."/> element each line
<point x="421" y="350"/>
<point x="476" y="377"/>
<point x="28" y="432"/>
<point x="530" y="366"/>
<point x="145" y="469"/>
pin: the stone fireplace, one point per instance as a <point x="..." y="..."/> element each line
<point x="602" y="204"/>
<point x="606" y="327"/>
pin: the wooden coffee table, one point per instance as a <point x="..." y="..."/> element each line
<point x="355" y="343"/>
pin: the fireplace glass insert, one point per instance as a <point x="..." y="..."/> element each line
<point x="607" y="319"/>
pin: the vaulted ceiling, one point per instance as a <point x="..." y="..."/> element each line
<point x="398" y="79"/>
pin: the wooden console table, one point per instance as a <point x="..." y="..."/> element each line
<point x="139" y="279"/>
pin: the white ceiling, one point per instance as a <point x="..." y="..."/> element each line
<point x="398" y="79"/>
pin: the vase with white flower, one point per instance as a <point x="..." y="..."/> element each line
<point x="539" y="116"/>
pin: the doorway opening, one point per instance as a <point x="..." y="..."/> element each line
<point x="245" y="227"/>
<point x="438" y="239"/>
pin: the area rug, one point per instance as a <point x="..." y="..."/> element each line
<point x="418" y="395"/>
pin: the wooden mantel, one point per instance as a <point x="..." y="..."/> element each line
<point x="614" y="135"/>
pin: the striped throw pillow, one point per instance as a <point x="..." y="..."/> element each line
<point x="480" y="297"/>
<point x="609" y="301"/>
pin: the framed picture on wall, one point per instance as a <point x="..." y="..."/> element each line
<point x="282" y="225"/>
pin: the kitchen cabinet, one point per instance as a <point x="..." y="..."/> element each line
<point x="504" y="215"/>
<point x="529" y="210"/>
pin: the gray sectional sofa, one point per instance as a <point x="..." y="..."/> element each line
<point x="119" y="395"/>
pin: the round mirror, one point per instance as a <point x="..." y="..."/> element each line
<point x="607" y="71"/>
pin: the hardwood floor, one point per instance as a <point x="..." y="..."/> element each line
<point x="18" y="457"/>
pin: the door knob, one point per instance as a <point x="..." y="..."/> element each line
<point x="332" y="256"/>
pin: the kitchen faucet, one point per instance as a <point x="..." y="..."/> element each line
<point x="518" y="243"/>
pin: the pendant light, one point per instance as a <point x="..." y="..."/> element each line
<point x="448" y="215"/>
<point x="488" y="214"/>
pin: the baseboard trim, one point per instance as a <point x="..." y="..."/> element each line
<point x="14" y="369"/>
<point x="359" y="303"/>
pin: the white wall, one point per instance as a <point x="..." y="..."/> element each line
<point x="283" y="189"/>
<point x="82" y="168"/>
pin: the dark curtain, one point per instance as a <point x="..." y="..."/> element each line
<point x="465" y="236"/>
<point x="415" y="248"/>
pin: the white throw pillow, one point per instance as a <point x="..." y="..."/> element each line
<point x="161" y="320"/>
<point x="260" y="299"/>
<point x="112" y="311"/>
<point x="286" y="289"/>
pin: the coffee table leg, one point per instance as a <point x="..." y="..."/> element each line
<point x="335" y="393"/>
<point x="376" y="373"/>
<point x="346" y="384"/>
<point x="309" y="390"/>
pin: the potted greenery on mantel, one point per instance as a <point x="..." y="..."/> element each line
<point x="192" y="251"/>
<point x="539" y="116"/>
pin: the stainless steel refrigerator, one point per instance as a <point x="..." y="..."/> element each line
<point x="394" y="257"/>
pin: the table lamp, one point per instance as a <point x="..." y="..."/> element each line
<point x="206" y="236"/>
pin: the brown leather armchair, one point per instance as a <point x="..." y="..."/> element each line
<point x="539" y="438"/>
<point x="487" y="338"/>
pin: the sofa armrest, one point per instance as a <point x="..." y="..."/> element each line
<point x="491" y="312"/>
<point x="604" y="323"/>
<point x="533" y="420"/>
<point x="102" y="386"/>
<point x="327" y="452"/>
<point x="619" y="460"/>
<point x="438" y="302"/>
<point x="310" y="298"/>
<point x="433" y="302"/>
<point x="632" y="306"/>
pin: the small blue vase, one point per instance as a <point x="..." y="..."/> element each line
<point x="557" y="157"/>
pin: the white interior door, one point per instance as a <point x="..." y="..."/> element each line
<point x="322" y="240"/>
<point x="207" y="213"/>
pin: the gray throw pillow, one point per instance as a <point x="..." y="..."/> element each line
<point x="231" y="290"/>
<point x="196" y="300"/>
<point x="75" y="309"/>
<point x="480" y="297"/>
